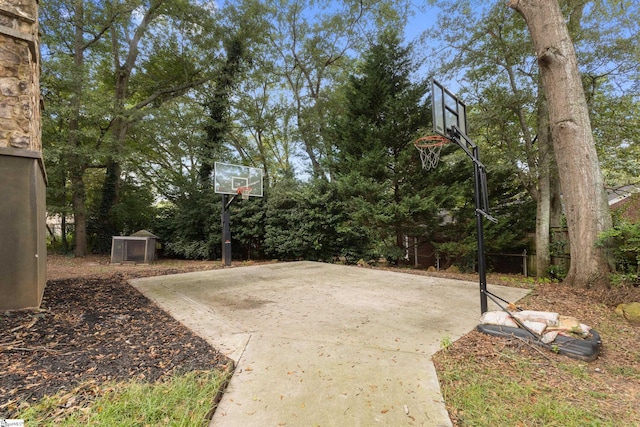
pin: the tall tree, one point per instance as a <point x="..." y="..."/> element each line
<point x="168" y="160"/>
<point x="490" y="48"/>
<point x="312" y="46"/>
<point x="492" y="51"/>
<point x="159" y="51"/>
<point x="605" y="33"/>
<point x="149" y="46"/>
<point x="73" y="32"/>
<point x="218" y="104"/>
<point x="375" y="163"/>
<point x="581" y="180"/>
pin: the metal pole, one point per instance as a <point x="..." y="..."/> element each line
<point x="482" y="206"/>
<point x="226" y="232"/>
<point x="482" y="272"/>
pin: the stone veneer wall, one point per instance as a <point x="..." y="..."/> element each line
<point x="23" y="243"/>
<point x="20" y="119"/>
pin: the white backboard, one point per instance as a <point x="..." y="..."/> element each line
<point x="229" y="177"/>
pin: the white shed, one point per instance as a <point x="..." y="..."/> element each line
<point x="139" y="248"/>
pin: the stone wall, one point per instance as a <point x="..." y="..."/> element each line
<point x="20" y="119"/>
<point x="23" y="243"/>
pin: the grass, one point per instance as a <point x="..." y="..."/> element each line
<point x="510" y="387"/>
<point x="482" y="398"/>
<point x="491" y="381"/>
<point x="627" y="371"/>
<point x="182" y="401"/>
<point x="445" y="342"/>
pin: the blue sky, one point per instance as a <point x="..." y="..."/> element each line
<point x="425" y="17"/>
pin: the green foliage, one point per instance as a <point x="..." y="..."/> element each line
<point x="445" y="342"/>
<point x="462" y="253"/>
<point x="134" y="212"/>
<point x="190" y="226"/>
<point x="308" y="221"/>
<point x="451" y="186"/>
<point x="376" y="169"/>
<point x="490" y="46"/>
<point x="623" y="242"/>
<point x="248" y="227"/>
<point x="99" y="83"/>
<point x="312" y="49"/>
<point x="510" y="204"/>
<point x="275" y="74"/>
<point x="557" y="272"/>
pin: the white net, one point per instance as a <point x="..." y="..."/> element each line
<point x="430" y="156"/>
<point x="245" y="192"/>
<point x="429" y="148"/>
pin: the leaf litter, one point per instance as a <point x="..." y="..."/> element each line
<point x="92" y="329"/>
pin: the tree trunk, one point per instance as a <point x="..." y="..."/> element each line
<point x="77" y="164"/>
<point x="120" y="127"/>
<point x="63" y="227"/>
<point x="556" y="198"/>
<point x="543" y="216"/>
<point x="79" y="212"/>
<point x="584" y="196"/>
<point x="543" y="213"/>
<point x="107" y="226"/>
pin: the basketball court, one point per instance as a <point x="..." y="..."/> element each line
<point x="322" y="344"/>
<point x="328" y="345"/>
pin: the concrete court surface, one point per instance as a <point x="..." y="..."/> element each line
<point x="322" y="344"/>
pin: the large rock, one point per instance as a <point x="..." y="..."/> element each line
<point x="630" y="311"/>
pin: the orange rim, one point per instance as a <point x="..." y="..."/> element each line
<point x="430" y="141"/>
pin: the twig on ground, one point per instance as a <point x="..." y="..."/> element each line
<point x="10" y="348"/>
<point x="27" y="326"/>
<point x="534" y="347"/>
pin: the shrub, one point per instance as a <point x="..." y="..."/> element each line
<point x="623" y="242"/>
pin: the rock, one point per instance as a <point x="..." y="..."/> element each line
<point x="630" y="311"/>
<point x="453" y="269"/>
<point x="20" y="141"/>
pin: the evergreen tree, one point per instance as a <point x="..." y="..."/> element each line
<point x="375" y="165"/>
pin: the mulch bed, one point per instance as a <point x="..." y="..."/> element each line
<point x="92" y="330"/>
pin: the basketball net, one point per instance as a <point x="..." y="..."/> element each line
<point x="244" y="192"/>
<point x="429" y="148"/>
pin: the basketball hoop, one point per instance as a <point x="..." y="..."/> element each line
<point x="429" y="147"/>
<point x="244" y="192"/>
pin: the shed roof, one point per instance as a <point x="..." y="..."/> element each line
<point x="616" y="195"/>
<point x="144" y="233"/>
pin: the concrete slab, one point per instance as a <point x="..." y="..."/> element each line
<point x="325" y="345"/>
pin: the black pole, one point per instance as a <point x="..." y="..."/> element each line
<point x="226" y="231"/>
<point x="482" y="206"/>
<point x="482" y="271"/>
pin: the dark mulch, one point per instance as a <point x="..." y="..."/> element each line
<point x="93" y="329"/>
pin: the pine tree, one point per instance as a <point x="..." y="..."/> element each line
<point x="374" y="161"/>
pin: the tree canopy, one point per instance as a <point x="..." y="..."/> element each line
<point x="143" y="96"/>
